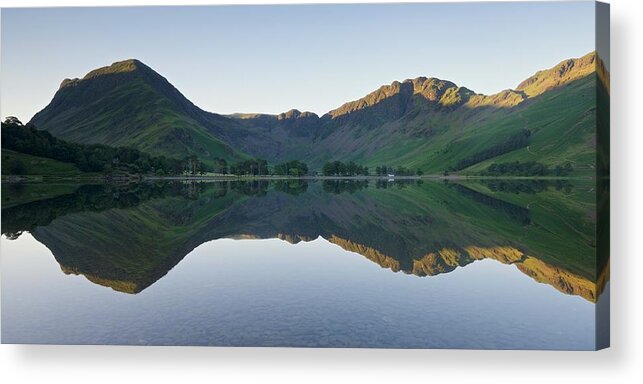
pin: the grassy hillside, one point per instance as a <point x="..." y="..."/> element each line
<point x="562" y="123"/>
<point x="94" y="159"/>
<point x="434" y="125"/>
<point x="15" y="163"/>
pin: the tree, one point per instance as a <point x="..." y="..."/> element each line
<point x="340" y="168"/>
<point x="529" y="168"/>
<point x="13" y="120"/>
<point x="221" y="167"/>
<point x="191" y="164"/>
<point x="294" y="168"/>
<point x="254" y="167"/>
<point x="328" y="169"/>
<point x="337" y="168"/>
<point x="294" y="172"/>
<point x="262" y="167"/>
<point x="512" y="142"/>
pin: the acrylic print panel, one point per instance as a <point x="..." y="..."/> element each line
<point x="374" y="175"/>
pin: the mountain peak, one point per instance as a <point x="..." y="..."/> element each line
<point x="562" y="73"/>
<point x="433" y="90"/>
<point x="125" y="66"/>
<point x="295" y="114"/>
<point x="129" y="65"/>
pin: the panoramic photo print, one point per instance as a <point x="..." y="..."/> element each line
<point x="365" y="176"/>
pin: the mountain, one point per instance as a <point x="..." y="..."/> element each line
<point x="424" y="123"/>
<point x="435" y="125"/>
<point x="129" y="104"/>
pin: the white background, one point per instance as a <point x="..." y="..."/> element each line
<point x="622" y="363"/>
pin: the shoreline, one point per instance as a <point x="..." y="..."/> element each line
<point x="142" y="178"/>
<point x="423" y="177"/>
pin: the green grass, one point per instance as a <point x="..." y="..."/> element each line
<point x="562" y="123"/>
<point x="38" y="166"/>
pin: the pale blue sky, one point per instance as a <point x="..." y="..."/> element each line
<point x="272" y="58"/>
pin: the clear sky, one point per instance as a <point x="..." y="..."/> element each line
<point x="270" y="59"/>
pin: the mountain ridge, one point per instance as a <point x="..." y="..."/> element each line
<point x="432" y="88"/>
<point x="562" y="73"/>
<point x="128" y="103"/>
<point x="443" y="91"/>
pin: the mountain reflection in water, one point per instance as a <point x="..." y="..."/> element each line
<point x="128" y="236"/>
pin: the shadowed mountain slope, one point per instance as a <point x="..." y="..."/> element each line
<point x="128" y="104"/>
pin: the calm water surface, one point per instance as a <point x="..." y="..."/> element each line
<point x="314" y="264"/>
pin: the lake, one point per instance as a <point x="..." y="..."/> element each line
<point x="503" y="264"/>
